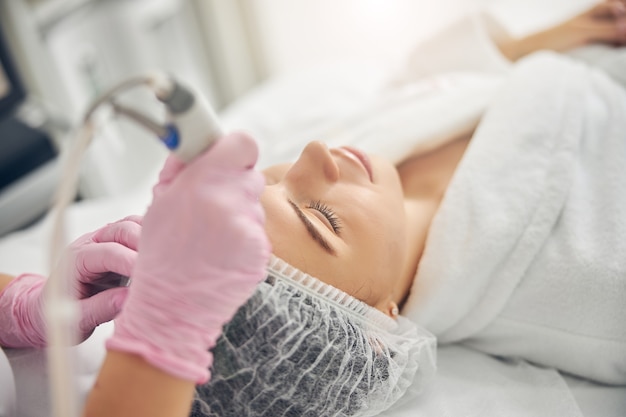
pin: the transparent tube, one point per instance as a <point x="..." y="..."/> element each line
<point x="61" y="309"/>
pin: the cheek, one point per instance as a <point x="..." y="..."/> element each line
<point x="378" y="219"/>
<point x="381" y="241"/>
<point x="388" y="237"/>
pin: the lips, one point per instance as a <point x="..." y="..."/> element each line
<point x="359" y="157"/>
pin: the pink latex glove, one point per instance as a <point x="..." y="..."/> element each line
<point x="202" y="252"/>
<point x="92" y="257"/>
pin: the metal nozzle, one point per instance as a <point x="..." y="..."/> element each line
<point x="143" y="120"/>
<point x="179" y="99"/>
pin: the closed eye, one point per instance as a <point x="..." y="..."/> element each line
<point x="328" y="213"/>
<point x="311" y="229"/>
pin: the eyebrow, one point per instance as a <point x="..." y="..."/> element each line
<point x="310" y="227"/>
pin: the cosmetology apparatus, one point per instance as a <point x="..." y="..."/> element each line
<point x="191" y="127"/>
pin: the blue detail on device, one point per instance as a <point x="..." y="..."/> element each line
<point x="171" y="140"/>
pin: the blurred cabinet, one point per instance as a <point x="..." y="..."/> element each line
<point x="28" y="157"/>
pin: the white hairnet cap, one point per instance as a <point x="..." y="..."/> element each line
<point x="300" y="347"/>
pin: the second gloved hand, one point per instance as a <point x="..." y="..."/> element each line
<point x="90" y="259"/>
<point x="203" y="250"/>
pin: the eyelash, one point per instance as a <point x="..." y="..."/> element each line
<point x="328" y="212"/>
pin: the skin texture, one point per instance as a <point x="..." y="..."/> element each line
<point x="129" y="386"/>
<point x="604" y="23"/>
<point x="4" y="280"/>
<point x="355" y="214"/>
<point x="382" y="222"/>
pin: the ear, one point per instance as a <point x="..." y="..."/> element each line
<point x="393" y="310"/>
<point x="389" y="307"/>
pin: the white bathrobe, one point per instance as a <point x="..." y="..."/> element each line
<point x="526" y="256"/>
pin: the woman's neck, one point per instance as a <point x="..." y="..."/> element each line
<point x="425" y="179"/>
<point x="426" y="176"/>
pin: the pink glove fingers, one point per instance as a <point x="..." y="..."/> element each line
<point x="93" y="257"/>
<point x="93" y="260"/>
<point x="234" y="152"/>
<point x="237" y="151"/>
<point x="101" y="308"/>
<point x="94" y="263"/>
<point x="107" y="257"/>
<point x="255" y="185"/>
<point x="170" y="170"/>
<point x="258" y="214"/>
<point x="256" y="246"/>
<point x="110" y="249"/>
<point x="127" y="233"/>
<point x="253" y="188"/>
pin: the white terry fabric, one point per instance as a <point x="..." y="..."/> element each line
<point x="611" y="60"/>
<point x="526" y="255"/>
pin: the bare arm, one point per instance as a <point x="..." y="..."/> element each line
<point x="4" y="280"/>
<point x="603" y="23"/>
<point x="129" y="386"/>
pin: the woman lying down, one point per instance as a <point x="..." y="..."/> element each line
<point x="508" y="238"/>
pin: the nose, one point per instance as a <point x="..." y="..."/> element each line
<point x="319" y="157"/>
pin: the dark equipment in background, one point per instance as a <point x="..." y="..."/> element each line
<point x="23" y="149"/>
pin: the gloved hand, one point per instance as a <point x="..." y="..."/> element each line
<point x="92" y="257"/>
<point x="202" y="252"/>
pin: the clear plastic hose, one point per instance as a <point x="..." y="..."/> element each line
<point x="61" y="309"/>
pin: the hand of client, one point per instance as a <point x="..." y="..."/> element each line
<point x="603" y="23"/>
<point x="203" y="250"/>
<point x="92" y="257"/>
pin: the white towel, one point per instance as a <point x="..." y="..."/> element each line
<point x="527" y="255"/>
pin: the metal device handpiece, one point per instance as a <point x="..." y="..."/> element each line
<point x="193" y="125"/>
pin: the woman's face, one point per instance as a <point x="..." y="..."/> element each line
<point x="338" y="215"/>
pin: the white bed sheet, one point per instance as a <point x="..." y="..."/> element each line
<point x="469" y="383"/>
